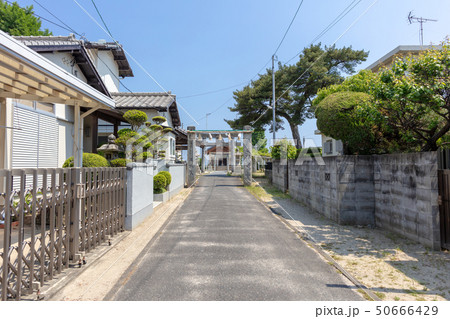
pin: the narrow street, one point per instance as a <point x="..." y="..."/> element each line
<point x="223" y="244"/>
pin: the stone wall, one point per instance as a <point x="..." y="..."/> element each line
<point x="398" y="192"/>
<point x="406" y="196"/>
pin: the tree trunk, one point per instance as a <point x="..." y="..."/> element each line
<point x="295" y="135"/>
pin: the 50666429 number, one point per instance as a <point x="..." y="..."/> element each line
<point x="406" y="310"/>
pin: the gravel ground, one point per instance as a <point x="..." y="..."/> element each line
<point x="393" y="267"/>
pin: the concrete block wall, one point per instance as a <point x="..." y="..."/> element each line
<point x="398" y="192"/>
<point x="280" y="174"/>
<point x="406" y="196"/>
<point x="341" y="189"/>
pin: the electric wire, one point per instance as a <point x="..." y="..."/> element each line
<point x="134" y="59"/>
<point x="293" y="83"/>
<point x="289" y="27"/>
<point x="336" y="20"/>
<point x="70" y="29"/>
<point x="101" y="17"/>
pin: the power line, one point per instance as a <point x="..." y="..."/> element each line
<point x="70" y="29"/>
<point x="132" y="57"/>
<point x="336" y="20"/>
<point x="351" y="25"/>
<point x="287" y="30"/>
<point x="40" y="17"/>
<point x="99" y="14"/>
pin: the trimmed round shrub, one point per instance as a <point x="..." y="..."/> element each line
<point x="159" y="119"/>
<point x="159" y="183"/>
<point x="350" y="117"/>
<point x="135" y="117"/>
<point x="124" y="131"/>
<point x="167" y="176"/>
<point x="143" y="156"/>
<point x="156" y="127"/>
<point x="89" y="160"/>
<point x="119" y="162"/>
<point x="167" y="130"/>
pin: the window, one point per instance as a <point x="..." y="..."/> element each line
<point x="46" y="107"/>
<point x="172" y="147"/>
<point x="41" y="106"/>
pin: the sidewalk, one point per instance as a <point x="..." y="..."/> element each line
<point x="391" y="266"/>
<point x="106" y="265"/>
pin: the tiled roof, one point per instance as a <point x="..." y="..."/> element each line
<point x="143" y="100"/>
<point x="48" y="40"/>
<point x="52" y="43"/>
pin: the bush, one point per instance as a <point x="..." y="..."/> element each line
<point x="159" y="183"/>
<point x="135" y="117"/>
<point x="350" y="117"/>
<point x="167" y="176"/>
<point x="124" y="131"/>
<point x="159" y="119"/>
<point x="156" y="127"/>
<point x="89" y="160"/>
<point x="143" y="156"/>
<point x="281" y="147"/>
<point x="119" y="162"/>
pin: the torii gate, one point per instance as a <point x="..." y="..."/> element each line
<point x="198" y="138"/>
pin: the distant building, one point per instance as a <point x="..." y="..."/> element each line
<point x="330" y="146"/>
<point x="400" y="51"/>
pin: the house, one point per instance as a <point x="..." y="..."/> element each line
<point x="99" y="64"/>
<point x="330" y="146"/>
<point x="400" y="51"/>
<point x="38" y="100"/>
<point x="155" y="104"/>
<point x="219" y="157"/>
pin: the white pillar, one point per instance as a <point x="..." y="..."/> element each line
<point x="78" y="137"/>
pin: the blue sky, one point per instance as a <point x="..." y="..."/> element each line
<point x="191" y="47"/>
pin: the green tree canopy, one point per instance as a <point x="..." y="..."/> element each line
<point x="20" y="21"/>
<point x="295" y="87"/>
<point x="408" y="109"/>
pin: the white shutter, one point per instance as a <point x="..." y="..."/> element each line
<point x="25" y="138"/>
<point x="35" y="141"/>
<point x="48" y="142"/>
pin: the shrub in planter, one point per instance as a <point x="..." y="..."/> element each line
<point x="89" y="160"/>
<point x="119" y="162"/>
<point x="143" y="156"/>
<point x="167" y="176"/>
<point x="159" y="183"/>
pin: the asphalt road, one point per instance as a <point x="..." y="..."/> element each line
<point x="223" y="244"/>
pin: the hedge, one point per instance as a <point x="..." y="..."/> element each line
<point x="89" y="160"/>
<point x="119" y="162"/>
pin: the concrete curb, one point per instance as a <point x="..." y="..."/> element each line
<point x="277" y="209"/>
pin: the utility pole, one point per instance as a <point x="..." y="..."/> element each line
<point x="273" y="97"/>
<point x="420" y="20"/>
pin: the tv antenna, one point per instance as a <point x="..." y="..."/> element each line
<point x="412" y="19"/>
